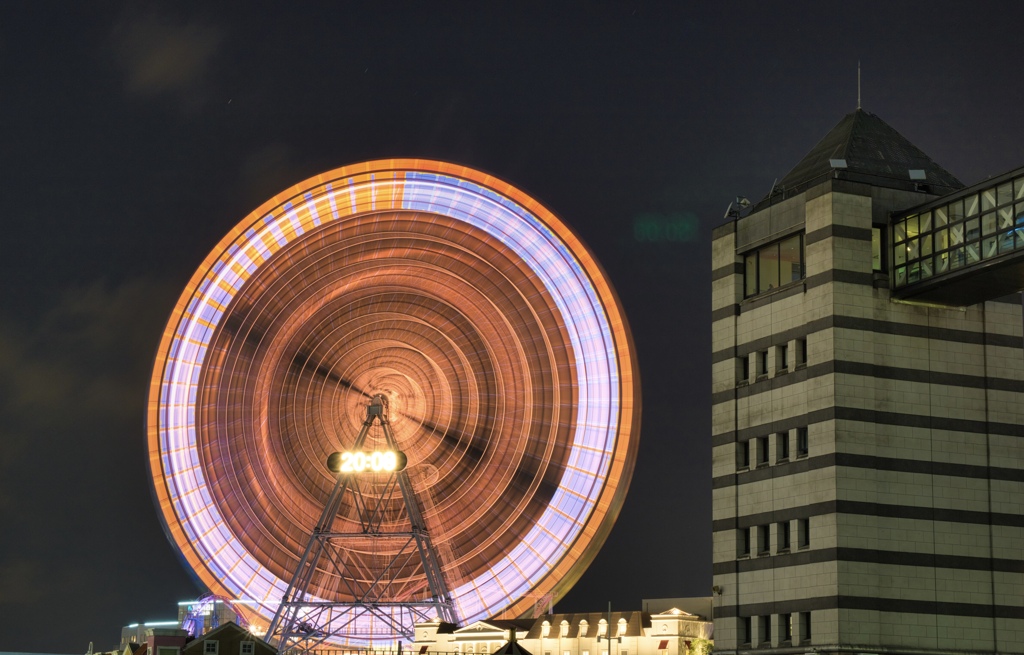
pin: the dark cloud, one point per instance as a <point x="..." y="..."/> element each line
<point x="164" y="55"/>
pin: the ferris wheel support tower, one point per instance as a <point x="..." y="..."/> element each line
<point x="304" y="623"/>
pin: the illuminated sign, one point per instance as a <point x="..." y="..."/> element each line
<point x="377" y="461"/>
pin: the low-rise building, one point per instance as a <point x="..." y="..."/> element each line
<point x="670" y="632"/>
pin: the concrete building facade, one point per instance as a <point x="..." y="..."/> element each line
<point x="868" y="452"/>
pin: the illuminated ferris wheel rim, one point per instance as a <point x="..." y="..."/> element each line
<point x="607" y="413"/>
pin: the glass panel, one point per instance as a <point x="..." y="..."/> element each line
<point x="912" y="251"/>
<point x="988" y="224"/>
<point x="1005" y="222"/>
<point x="956" y="234"/>
<point x="926" y="268"/>
<point x="971" y="205"/>
<point x="988" y="248"/>
<point x="1006" y="215"/>
<point x="901" y="275"/>
<point x="926" y="222"/>
<point x="926" y="244"/>
<point x="1006" y="242"/>
<point x="1018" y="188"/>
<point x="956" y="211"/>
<point x="912" y="230"/>
<point x="1005" y="193"/>
<point x="940" y="216"/>
<point x="791" y="266"/>
<point x="942" y="239"/>
<point x="1020" y="234"/>
<point x="899" y="254"/>
<point x="942" y="263"/>
<point x="914" y="273"/>
<point x="988" y="199"/>
<point x="768" y="267"/>
<point x="956" y="258"/>
<point x="750" y="275"/>
<point x="973" y="230"/>
<point x="899" y="231"/>
<point x="973" y="253"/>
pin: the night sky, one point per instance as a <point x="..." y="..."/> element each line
<point x="135" y="136"/>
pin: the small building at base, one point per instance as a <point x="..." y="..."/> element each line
<point x="671" y="632"/>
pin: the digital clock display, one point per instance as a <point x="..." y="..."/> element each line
<point x="376" y="461"/>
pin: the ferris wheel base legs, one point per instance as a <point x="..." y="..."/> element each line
<point x="303" y="622"/>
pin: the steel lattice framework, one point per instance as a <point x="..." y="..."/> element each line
<point x="495" y="337"/>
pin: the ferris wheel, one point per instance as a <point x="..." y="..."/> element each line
<point x="463" y="306"/>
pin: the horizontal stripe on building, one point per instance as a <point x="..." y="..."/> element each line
<point x="782" y="425"/>
<point x="869" y="325"/>
<point x="859" y="508"/>
<point x="852" y="460"/>
<point x="870" y="603"/>
<point x="844" y="367"/>
<point x="840" y="231"/>
<point x="868" y="556"/>
<point x="736" y="268"/>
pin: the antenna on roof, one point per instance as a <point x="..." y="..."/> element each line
<point x="858" y="84"/>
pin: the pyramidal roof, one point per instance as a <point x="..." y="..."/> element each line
<point x="873" y="152"/>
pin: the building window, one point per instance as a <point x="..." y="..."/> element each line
<point x="762" y="363"/>
<point x="210" y="647"/>
<point x="565" y="628"/>
<point x="545" y="629"/>
<point x="964" y="232"/>
<point x="743" y="455"/>
<point x="742" y="370"/>
<point x="806" y="621"/>
<point x="766" y="629"/>
<point x="247" y="648"/>
<point x="783" y="527"/>
<point x="764" y="539"/>
<point x="804" y="532"/>
<point x="801" y="352"/>
<point x="744" y="542"/>
<point x="782" y="446"/>
<point x="745" y="637"/>
<point x="583" y="632"/>
<point x="802" y="446"/>
<point x="762" y="451"/>
<point x="787" y="628"/>
<point x="773" y="265"/>
<point x="782" y="358"/>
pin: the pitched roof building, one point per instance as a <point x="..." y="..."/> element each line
<point x="868" y="478"/>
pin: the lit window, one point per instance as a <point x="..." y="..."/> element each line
<point x="773" y="265"/>
<point x="583" y="632"/>
<point x="545" y="629"/>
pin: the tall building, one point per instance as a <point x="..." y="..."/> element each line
<point x="868" y="407"/>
